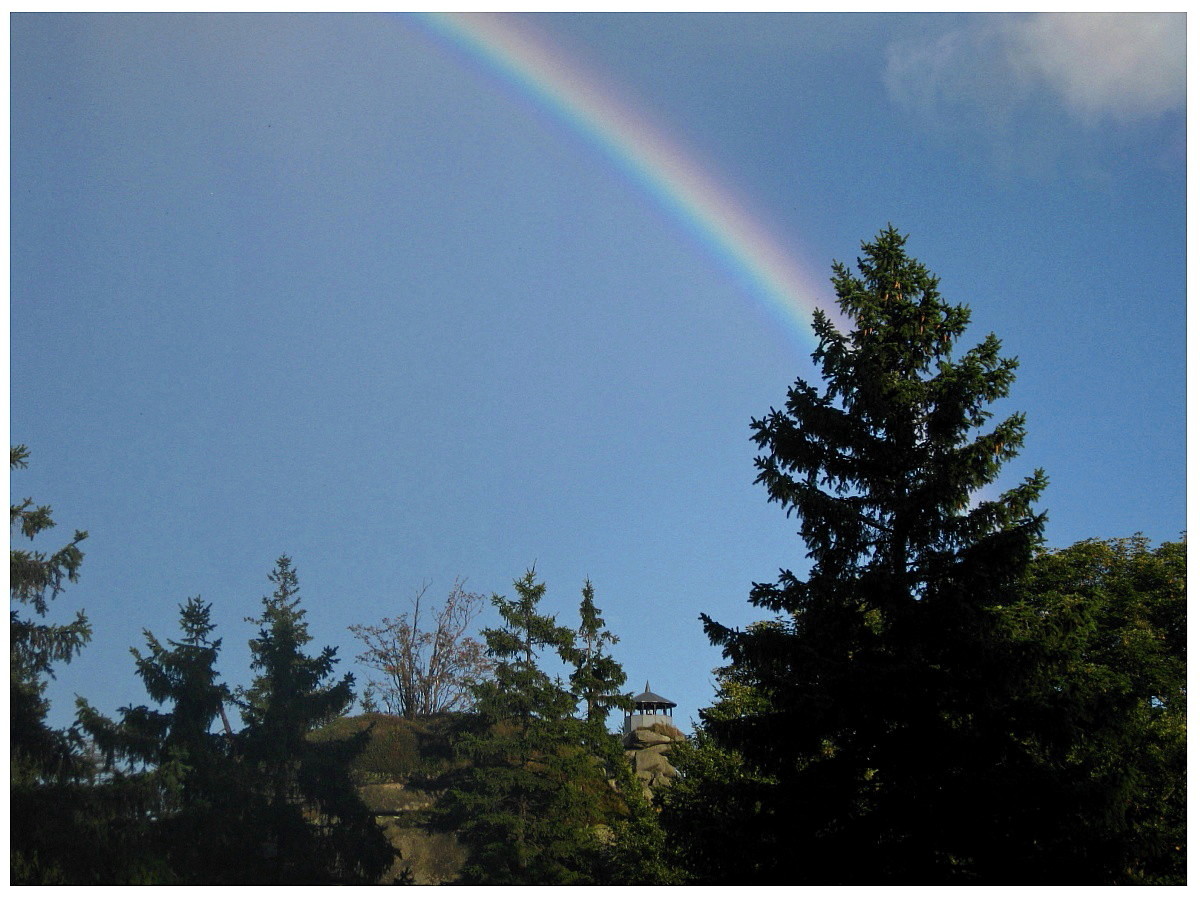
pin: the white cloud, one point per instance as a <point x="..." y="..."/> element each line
<point x="1119" y="67"/>
<point x="1123" y="66"/>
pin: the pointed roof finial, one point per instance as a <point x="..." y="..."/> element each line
<point x="647" y="685"/>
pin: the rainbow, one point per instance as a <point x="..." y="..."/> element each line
<point x="719" y="221"/>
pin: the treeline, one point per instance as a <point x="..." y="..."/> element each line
<point x="157" y="797"/>
<point x="937" y="699"/>
<point x="544" y="794"/>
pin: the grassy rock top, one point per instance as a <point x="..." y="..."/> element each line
<point x="666" y="730"/>
<point x="398" y="750"/>
<point x="658" y="733"/>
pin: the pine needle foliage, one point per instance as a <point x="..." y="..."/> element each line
<point x="36" y="577"/>
<point x="885" y="728"/>
<point x="181" y="675"/>
<point x="519" y="807"/>
<point x="314" y="826"/>
<point x="172" y="786"/>
<point x="548" y="797"/>
<point x="597" y="677"/>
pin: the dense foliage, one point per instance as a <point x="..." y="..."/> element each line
<point x="45" y="763"/>
<point x="909" y="713"/>
<point x="170" y="757"/>
<point x="884" y="728"/>
<point x="314" y="828"/>
<point x="1108" y="621"/>
<point x="597" y="678"/>
<point x="547" y="798"/>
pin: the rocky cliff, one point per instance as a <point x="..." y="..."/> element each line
<point x="649" y="751"/>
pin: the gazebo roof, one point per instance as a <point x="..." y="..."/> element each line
<point x="650" y="699"/>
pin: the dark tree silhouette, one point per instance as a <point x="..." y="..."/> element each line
<point x="314" y="827"/>
<point x="36" y="751"/>
<point x="886" y="738"/>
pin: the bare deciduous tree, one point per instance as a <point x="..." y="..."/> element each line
<point x="426" y="671"/>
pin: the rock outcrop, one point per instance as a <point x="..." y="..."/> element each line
<point x="407" y="766"/>
<point x="649" y="750"/>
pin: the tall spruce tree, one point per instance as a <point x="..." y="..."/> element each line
<point x="314" y="827"/>
<point x="179" y="673"/>
<point x="518" y="806"/>
<point x="191" y="830"/>
<point x="597" y="678"/>
<point x="38" y="752"/>
<point x="890" y="734"/>
<point x="634" y="851"/>
<point x="292" y="692"/>
<point x="46" y="764"/>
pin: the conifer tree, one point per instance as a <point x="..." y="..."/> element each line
<point x="890" y="735"/>
<point x="518" y="807"/>
<point x="172" y="755"/>
<point x="314" y="827"/>
<point x="292" y="693"/>
<point x="634" y="851"/>
<point x="36" y="751"/>
<point x="46" y="764"/>
<point x="549" y="797"/>
<point x="182" y="674"/>
<point x="597" y="678"/>
<point x="714" y="811"/>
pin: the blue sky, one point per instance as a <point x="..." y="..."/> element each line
<point x="331" y="286"/>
